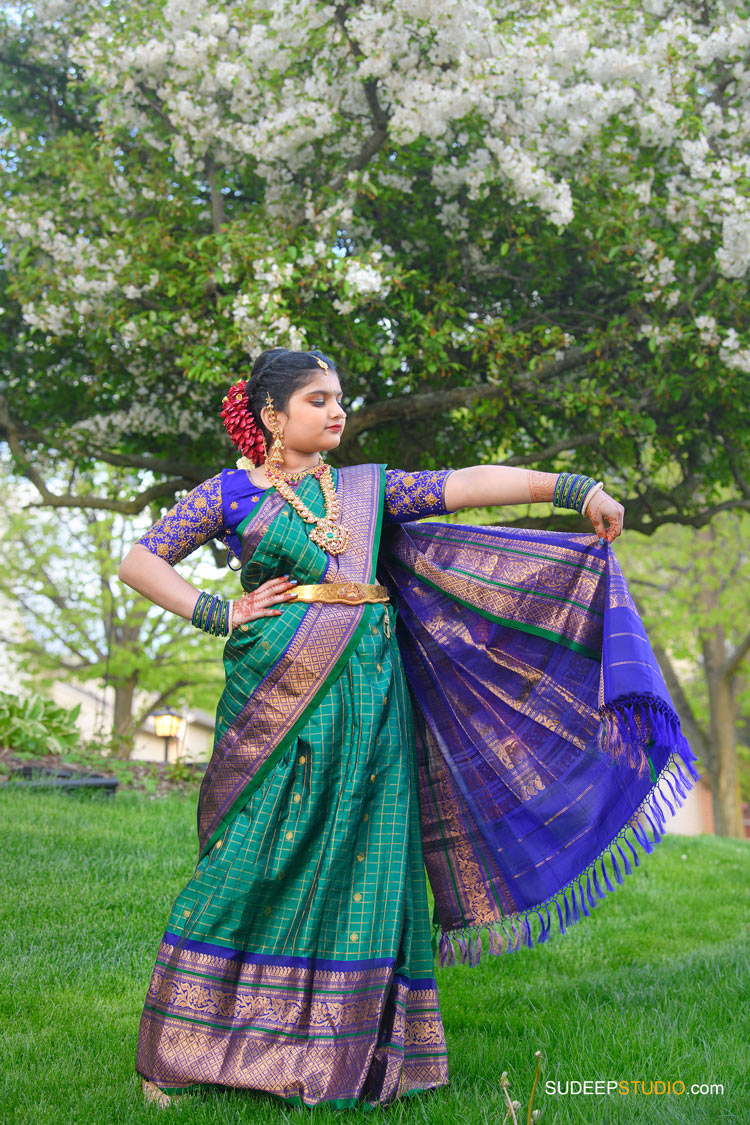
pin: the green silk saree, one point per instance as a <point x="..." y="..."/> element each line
<point x="297" y="960"/>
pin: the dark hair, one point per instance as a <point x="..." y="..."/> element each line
<point x="280" y="372"/>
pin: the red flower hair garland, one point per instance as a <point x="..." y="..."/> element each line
<point x="240" y="424"/>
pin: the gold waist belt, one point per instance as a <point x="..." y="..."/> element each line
<point x="351" y="593"/>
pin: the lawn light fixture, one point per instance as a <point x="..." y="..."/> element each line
<point x="167" y="724"/>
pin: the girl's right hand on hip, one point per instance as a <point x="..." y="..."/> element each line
<point x="261" y="602"/>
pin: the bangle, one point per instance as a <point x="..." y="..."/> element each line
<point x="198" y="609"/>
<point x="213" y="615"/>
<point x="573" y="490"/>
<point x="594" y="488"/>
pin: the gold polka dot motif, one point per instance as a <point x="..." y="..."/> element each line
<point x="360" y="856"/>
<point x="366" y="816"/>
<point x="297" y="798"/>
<point x="357" y="897"/>
<point x="267" y="910"/>
<point x="353" y="937"/>
<point x="290" y="835"/>
<point x="372" y="777"/>
<point x="302" y="759"/>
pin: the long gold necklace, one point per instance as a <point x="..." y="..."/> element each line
<point x="327" y="533"/>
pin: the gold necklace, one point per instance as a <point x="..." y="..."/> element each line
<point x="293" y="475"/>
<point x="328" y="534"/>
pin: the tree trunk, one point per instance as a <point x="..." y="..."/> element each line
<point x="722" y="762"/>
<point x="123" y="731"/>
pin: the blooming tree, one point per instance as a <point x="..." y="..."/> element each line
<point x="522" y="229"/>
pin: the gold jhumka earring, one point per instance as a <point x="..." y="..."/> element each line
<point x="276" y="457"/>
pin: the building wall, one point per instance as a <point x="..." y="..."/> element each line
<point x="194" y="745"/>
<point x="696" y="815"/>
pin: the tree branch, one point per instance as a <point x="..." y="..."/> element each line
<point x="437" y="402"/>
<point x="217" y="200"/>
<point x="100" y="503"/>
<point x="572" y="442"/>
<point x="378" y="115"/>
<point x="162" y="699"/>
<point x="734" y="465"/>
<point x="733" y="663"/>
<point x="11" y="426"/>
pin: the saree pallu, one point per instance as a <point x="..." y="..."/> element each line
<point x="547" y="742"/>
<point x="297" y="960"/>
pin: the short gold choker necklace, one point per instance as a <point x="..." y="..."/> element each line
<point x="293" y="475"/>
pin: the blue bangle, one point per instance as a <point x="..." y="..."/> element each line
<point x="571" y="490"/>
<point x="198" y="608"/>
<point x="211" y="614"/>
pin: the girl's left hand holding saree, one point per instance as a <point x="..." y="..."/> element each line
<point x="483" y="486"/>
<point x="604" y="507"/>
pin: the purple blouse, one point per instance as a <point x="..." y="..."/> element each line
<point x="215" y="508"/>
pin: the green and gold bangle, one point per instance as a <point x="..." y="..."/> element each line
<point x="213" y="615"/>
<point x="571" y="490"/>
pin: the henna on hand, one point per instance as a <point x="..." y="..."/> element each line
<point x="261" y="601"/>
<point x="541" y="485"/>
<point x="604" y="507"/>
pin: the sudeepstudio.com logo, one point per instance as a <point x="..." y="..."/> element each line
<point x="625" y="1087"/>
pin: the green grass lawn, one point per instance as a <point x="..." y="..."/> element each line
<point x="653" y="987"/>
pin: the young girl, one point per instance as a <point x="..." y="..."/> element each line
<point x="488" y="737"/>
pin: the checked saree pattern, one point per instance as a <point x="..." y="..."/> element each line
<point x="298" y="958"/>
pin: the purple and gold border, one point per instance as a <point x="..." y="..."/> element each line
<point x="300" y="1028"/>
<point x="326" y="635"/>
<point x="558" y="593"/>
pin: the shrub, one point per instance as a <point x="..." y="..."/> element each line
<point x="35" y="727"/>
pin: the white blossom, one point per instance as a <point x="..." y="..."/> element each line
<point x="518" y="100"/>
<point x="733" y="354"/>
<point x="707" y="330"/>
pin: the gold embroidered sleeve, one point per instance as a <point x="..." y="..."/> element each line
<point x="191" y="522"/>
<point x="412" y="496"/>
